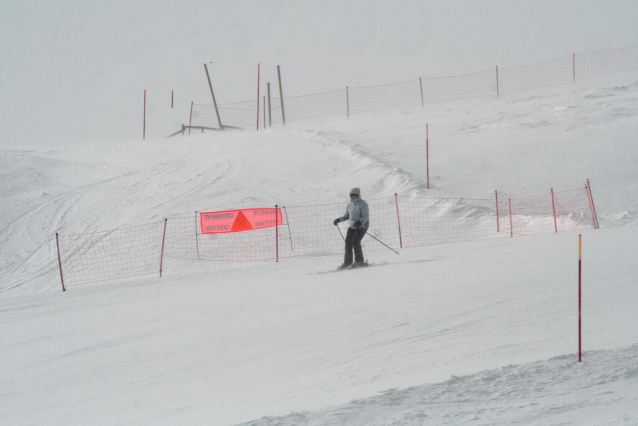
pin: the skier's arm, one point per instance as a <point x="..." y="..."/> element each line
<point x="365" y="216"/>
<point x="345" y="216"/>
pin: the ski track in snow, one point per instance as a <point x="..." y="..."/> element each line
<point x="177" y="185"/>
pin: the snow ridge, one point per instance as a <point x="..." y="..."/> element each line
<point x="539" y="392"/>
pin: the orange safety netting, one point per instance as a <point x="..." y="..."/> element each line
<point x="270" y="234"/>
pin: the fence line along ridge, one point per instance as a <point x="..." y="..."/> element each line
<point x="307" y="231"/>
<point x="419" y="91"/>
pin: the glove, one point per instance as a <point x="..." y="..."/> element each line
<point x="336" y="221"/>
<point x="357" y="224"/>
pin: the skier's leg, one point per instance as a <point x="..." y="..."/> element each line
<point x="356" y="242"/>
<point x="347" y="258"/>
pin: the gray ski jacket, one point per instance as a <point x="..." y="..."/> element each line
<point x="357" y="209"/>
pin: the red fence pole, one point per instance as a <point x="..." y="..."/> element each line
<point x="162" y="253"/>
<point x="190" y="121"/>
<point x="144" y="128"/>
<point x="277" y="233"/>
<point x="196" y="238"/>
<point x="593" y="206"/>
<point x="498" y="223"/>
<point x="554" y="208"/>
<point x="580" y="293"/>
<point x="511" y="222"/>
<point x="258" y="69"/>
<point x="427" y="153"/>
<point x="396" y="199"/>
<point x="57" y="243"/>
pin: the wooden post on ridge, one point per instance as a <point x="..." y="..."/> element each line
<point x="219" y="120"/>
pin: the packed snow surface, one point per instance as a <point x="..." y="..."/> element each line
<point x="479" y="333"/>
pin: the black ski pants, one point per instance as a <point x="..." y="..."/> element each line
<point x="353" y="242"/>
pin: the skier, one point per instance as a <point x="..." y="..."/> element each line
<point x="357" y="212"/>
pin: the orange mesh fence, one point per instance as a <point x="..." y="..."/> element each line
<point x="240" y="114"/>
<point x="182" y="237"/>
<point x="573" y="210"/>
<point x="362" y="99"/>
<point x="552" y="73"/>
<point x="317" y="105"/>
<point x="355" y="100"/>
<point x="532" y="215"/>
<point x="110" y="255"/>
<point x="308" y="231"/>
<point x="459" y="87"/>
<point x="535" y="215"/>
<point x="428" y="221"/>
<point x="204" y="116"/>
<point x="185" y="240"/>
<point x="605" y="62"/>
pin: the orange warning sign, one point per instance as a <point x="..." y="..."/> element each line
<point x="239" y="220"/>
<point x="241" y="223"/>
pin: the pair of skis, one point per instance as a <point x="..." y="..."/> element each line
<point x="355" y="266"/>
<point x="364" y="265"/>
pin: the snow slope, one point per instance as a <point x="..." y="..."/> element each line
<point x="476" y="333"/>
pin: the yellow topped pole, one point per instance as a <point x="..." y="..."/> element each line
<point x="580" y="311"/>
<point x="427" y="153"/>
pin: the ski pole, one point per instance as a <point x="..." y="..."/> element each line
<point x="337" y="226"/>
<point x="384" y="244"/>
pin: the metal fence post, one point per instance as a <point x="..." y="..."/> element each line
<point x="396" y="199"/>
<point x="554" y="208"/>
<point x="593" y="206"/>
<point x="196" y="237"/>
<point x="511" y="221"/>
<point x="277" y="233"/>
<point x="57" y="243"/>
<point x="162" y="253"/>
<point x="281" y="96"/>
<point x="498" y="222"/>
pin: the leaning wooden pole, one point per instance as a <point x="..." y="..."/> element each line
<point x="281" y="96"/>
<point x="219" y="120"/>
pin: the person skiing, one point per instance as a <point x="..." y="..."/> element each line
<point x="358" y="213"/>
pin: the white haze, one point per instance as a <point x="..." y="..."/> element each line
<point x="76" y="70"/>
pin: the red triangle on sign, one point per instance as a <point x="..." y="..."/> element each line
<point x="241" y="223"/>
